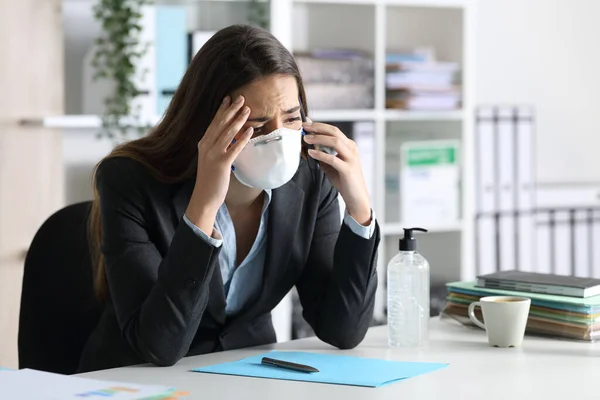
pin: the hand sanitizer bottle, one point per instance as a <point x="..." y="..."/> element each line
<point x="408" y="295"/>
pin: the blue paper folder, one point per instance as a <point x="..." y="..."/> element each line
<point x="335" y="369"/>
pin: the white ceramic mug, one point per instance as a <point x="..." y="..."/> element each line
<point x="505" y="319"/>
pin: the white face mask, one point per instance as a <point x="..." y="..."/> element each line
<point x="269" y="161"/>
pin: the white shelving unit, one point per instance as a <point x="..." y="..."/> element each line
<point x="377" y="26"/>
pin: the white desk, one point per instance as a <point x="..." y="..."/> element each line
<point x="541" y="369"/>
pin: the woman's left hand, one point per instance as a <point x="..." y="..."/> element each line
<point x="344" y="170"/>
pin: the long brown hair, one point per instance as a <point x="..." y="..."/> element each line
<point x="232" y="58"/>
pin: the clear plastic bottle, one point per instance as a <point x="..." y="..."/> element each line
<point x="408" y="295"/>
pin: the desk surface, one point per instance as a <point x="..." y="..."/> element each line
<point x="540" y="369"/>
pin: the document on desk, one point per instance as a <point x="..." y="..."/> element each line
<point x="334" y="369"/>
<point x="27" y="384"/>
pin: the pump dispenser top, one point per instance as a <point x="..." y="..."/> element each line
<point x="408" y="242"/>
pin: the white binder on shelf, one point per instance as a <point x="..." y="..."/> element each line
<point x="584" y="243"/>
<point x="145" y="78"/>
<point x="486" y="161"/>
<point x="486" y="245"/>
<point x="544" y="243"/>
<point x="567" y="229"/>
<point x="563" y="262"/>
<point x="595" y="237"/>
<point x="525" y="188"/>
<point x="525" y="166"/>
<point x="505" y="187"/>
<point x="527" y="243"/>
<point x="506" y="160"/>
<point x="505" y="230"/>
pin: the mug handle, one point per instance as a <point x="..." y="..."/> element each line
<point x="472" y="316"/>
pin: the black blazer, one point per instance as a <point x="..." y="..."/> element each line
<point x="166" y="292"/>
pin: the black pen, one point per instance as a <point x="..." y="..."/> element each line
<point x="288" y="365"/>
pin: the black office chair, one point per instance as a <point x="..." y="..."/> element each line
<point x="58" y="309"/>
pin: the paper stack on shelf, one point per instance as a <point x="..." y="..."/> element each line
<point x="38" y="385"/>
<point x="550" y="315"/>
<point x="416" y="81"/>
<point x="337" y="78"/>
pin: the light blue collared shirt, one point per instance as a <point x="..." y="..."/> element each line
<point x="244" y="283"/>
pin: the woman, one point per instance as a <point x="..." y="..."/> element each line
<point x="203" y="226"/>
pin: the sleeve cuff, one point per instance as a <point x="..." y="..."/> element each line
<point x="216" y="239"/>
<point x="366" y="232"/>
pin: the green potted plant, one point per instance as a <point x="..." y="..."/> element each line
<point x="118" y="52"/>
<point x="116" y="59"/>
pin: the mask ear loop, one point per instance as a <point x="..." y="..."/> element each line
<point x="303" y="118"/>
<point x="308" y="146"/>
<point x="232" y="167"/>
<point x="311" y="161"/>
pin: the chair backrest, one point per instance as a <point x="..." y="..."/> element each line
<point x="58" y="309"/>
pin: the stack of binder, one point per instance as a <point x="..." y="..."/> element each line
<point x="550" y="315"/>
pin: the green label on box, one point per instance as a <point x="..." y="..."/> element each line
<point x="429" y="156"/>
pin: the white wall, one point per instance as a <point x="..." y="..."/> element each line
<point x="546" y="53"/>
<point x="80" y="30"/>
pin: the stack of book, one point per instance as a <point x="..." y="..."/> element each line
<point x="561" y="306"/>
<point x="416" y="81"/>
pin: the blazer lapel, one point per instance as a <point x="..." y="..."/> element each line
<point x="285" y="213"/>
<point x="216" y="302"/>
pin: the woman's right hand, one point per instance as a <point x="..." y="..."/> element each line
<point x="216" y="154"/>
